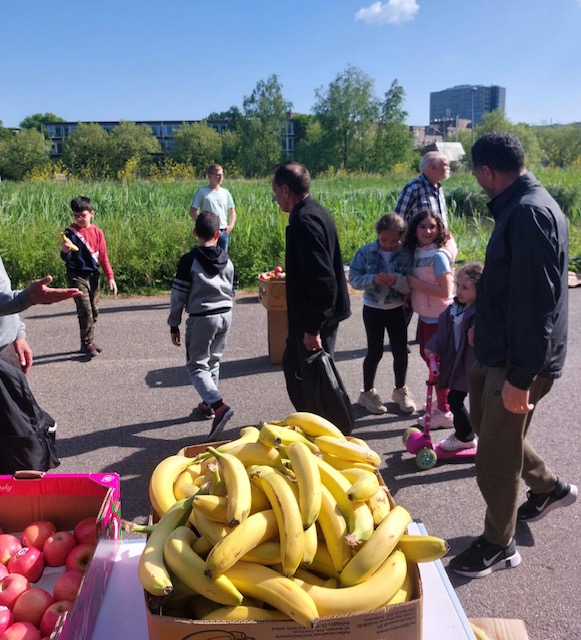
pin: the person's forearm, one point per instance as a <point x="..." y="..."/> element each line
<point x="14" y="302"/>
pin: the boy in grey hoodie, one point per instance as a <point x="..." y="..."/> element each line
<point x="203" y="287"/>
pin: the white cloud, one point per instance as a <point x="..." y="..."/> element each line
<point x="391" y="12"/>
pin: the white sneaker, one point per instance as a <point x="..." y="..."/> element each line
<point x="439" y="419"/>
<point x="403" y="399"/>
<point x="371" y="401"/>
<point x="452" y="443"/>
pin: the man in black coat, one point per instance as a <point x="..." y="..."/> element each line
<point x="316" y="289"/>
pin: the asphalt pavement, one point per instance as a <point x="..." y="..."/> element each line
<point x="131" y="406"/>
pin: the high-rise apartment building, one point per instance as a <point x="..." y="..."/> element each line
<point x="466" y="102"/>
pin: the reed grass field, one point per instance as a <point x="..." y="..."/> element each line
<point x="148" y="228"/>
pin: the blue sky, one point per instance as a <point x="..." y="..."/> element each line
<point x="181" y="60"/>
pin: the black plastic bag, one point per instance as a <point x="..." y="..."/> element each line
<point x="324" y="392"/>
<point x="27" y="432"/>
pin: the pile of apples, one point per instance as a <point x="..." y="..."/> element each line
<point x="29" y="612"/>
<point x="276" y="274"/>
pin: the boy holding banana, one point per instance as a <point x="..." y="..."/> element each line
<point x="203" y="287"/>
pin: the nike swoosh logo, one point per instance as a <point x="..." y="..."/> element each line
<point x="542" y="506"/>
<point x="487" y="562"/>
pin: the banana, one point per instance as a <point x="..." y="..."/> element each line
<point x="334" y="530"/>
<point x="274" y="436"/>
<point x="363" y="525"/>
<point x="340" y="463"/>
<point x="479" y="633"/>
<point x="251" y="453"/>
<point x="151" y="570"/>
<point x="379" y="505"/>
<point x="202" y="546"/>
<point x="406" y="591"/>
<point x="237" y="486"/>
<point x="267" y="553"/>
<point x="72" y="247"/>
<point x="207" y="528"/>
<point x="162" y="482"/>
<point x="323" y="564"/>
<point x="378" y="547"/>
<point x="364" y="483"/>
<point x="213" y="507"/>
<point x="308" y="479"/>
<point x="184" y="484"/>
<point x="339" y="487"/>
<point x="348" y="450"/>
<point x="313" y="578"/>
<point x="374" y="593"/>
<point x="311" y="545"/>
<point x="189" y="568"/>
<point x="279" y="592"/>
<point x="312" y="424"/>
<point x="257" y="528"/>
<point x="418" y="548"/>
<point x="243" y="612"/>
<point x="288" y="516"/>
<point x="247" y="435"/>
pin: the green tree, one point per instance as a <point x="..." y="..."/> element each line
<point x="198" y="145"/>
<point x="560" y="145"/>
<point x="39" y="121"/>
<point x="309" y="148"/>
<point x="266" y="114"/>
<point x="130" y="141"/>
<point x="21" y="153"/>
<point x="393" y="143"/>
<point x="347" y="111"/>
<point x="86" y="152"/>
<point x="233" y="116"/>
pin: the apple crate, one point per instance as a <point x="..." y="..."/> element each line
<point x="272" y="293"/>
<point x="65" y="500"/>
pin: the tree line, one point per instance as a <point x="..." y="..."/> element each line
<point x="350" y="129"/>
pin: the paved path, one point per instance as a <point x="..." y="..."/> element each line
<point x="130" y="407"/>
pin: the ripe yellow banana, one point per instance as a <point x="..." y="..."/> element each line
<point x="364" y="483"/>
<point x="184" y="485"/>
<point x="247" y="434"/>
<point x="288" y="516"/>
<point x="311" y="544"/>
<point x="257" y="528"/>
<point x="202" y="546"/>
<point x="374" y="593"/>
<point x="312" y="424"/>
<point x="244" y="612"/>
<point x="334" y="530"/>
<point x="162" y="482"/>
<point x="313" y="578"/>
<point x="308" y="479"/>
<point x="339" y="487"/>
<point x="418" y="548"/>
<point x="273" y="588"/>
<point x="250" y="453"/>
<point x="348" y="450"/>
<point x="237" y="486"/>
<point x="406" y="591"/>
<point x="340" y="463"/>
<point x="363" y="526"/>
<point x="274" y="436"/>
<point x="378" y="547"/>
<point x="379" y="505"/>
<point x="73" y="247"/>
<point x="189" y="568"/>
<point x="151" y="570"/>
<point x="210" y="529"/>
<point x="323" y="564"/>
<point x="267" y="553"/>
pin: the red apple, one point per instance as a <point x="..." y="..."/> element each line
<point x="11" y="587"/>
<point x="3" y="571"/>
<point x="57" y="547"/>
<point x="35" y="534"/>
<point x="6" y="618"/>
<point x="80" y="557"/>
<point x="31" y="605"/>
<point x="277" y="271"/>
<point x="29" y="561"/>
<point x="67" y="585"/>
<point x="21" y="631"/>
<point x="86" y="530"/>
<point x="9" y="545"/>
<point x="52" y="614"/>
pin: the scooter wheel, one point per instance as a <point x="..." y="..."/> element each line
<point x="408" y="433"/>
<point x="426" y="459"/>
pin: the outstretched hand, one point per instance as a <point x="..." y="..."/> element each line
<point x="40" y="293"/>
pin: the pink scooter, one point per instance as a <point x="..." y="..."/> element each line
<point x="419" y="443"/>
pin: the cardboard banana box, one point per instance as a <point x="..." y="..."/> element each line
<point x="394" y="622"/>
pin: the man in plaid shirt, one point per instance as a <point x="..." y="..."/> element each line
<point x="425" y="191"/>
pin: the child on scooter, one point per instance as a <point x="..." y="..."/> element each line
<point x="432" y="284"/>
<point x="451" y="343"/>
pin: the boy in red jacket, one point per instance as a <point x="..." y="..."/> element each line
<point x="84" y="250"/>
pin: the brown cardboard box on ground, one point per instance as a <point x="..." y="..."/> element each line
<point x="396" y="622"/>
<point x="501" y="629"/>
<point x="272" y="296"/>
<point x="65" y="499"/>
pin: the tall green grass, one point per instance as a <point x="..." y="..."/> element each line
<point x="148" y="228"/>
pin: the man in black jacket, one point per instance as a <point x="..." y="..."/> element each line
<point x="520" y="341"/>
<point x="316" y="289"/>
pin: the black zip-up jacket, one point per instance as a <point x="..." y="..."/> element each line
<point x="316" y="289"/>
<point x="522" y="296"/>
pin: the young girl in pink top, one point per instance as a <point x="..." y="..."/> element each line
<point x="432" y="284"/>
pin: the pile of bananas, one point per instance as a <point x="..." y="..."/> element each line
<point x="288" y="521"/>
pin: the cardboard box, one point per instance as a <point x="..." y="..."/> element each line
<point x="65" y="499"/>
<point x="272" y="293"/>
<point x="396" y="622"/>
<point x="502" y="629"/>
<point x="277" y="335"/>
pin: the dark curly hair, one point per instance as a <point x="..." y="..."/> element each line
<point x="442" y="236"/>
